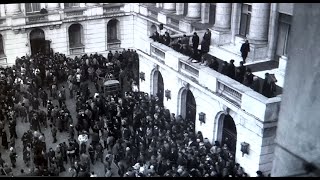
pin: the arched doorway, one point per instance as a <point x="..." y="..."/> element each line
<point x="227" y="132"/>
<point x="38" y="42"/>
<point x="188" y="107"/>
<point x="191" y="107"/>
<point x="158" y="86"/>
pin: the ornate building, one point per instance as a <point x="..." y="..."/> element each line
<point x="225" y="107"/>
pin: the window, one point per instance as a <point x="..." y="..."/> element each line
<point x="1" y="46"/>
<point x="283" y="34"/>
<point x="33" y="7"/>
<point x="75" y="35"/>
<point x="112" y="31"/>
<point x="245" y="19"/>
<point x="71" y="5"/>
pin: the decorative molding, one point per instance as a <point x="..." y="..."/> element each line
<point x="51" y="27"/>
<point x="57" y="26"/>
<point x="16" y="31"/>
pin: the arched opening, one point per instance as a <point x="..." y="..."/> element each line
<point x="113" y="31"/>
<point x="75" y="32"/>
<point x="227" y="132"/>
<point x="188" y="107"/>
<point x="37" y="41"/>
<point x="158" y="87"/>
<point x="2" y="54"/>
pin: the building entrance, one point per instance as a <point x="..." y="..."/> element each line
<point x="38" y="43"/>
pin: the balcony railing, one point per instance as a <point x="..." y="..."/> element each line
<point x="173" y="22"/>
<point x="112" y="8"/>
<point x="153" y="14"/>
<point x="157" y="53"/>
<point x="77" y="50"/>
<point x="229" y="94"/>
<point x="36" y="18"/>
<point x="185" y="67"/>
<point x="74" y="12"/>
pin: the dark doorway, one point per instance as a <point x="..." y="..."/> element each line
<point x="160" y="88"/>
<point x="191" y="108"/>
<point x="229" y="134"/>
<point x="38" y="42"/>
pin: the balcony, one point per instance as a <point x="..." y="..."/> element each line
<point x="36" y="18"/>
<point x="229" y="91"/>
<point x="112" y="8"/>
<point x="76" y="50"/>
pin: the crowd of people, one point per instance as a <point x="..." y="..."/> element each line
<point x="241" y="73"/>
<point x="129" y="132"/>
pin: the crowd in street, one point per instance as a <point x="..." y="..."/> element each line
<point x="129" y="132"/>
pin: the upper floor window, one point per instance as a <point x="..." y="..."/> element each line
<point x="33" y="7"/>
<point x="71" y="5"/>
<point x="245" y="19"/>
<point x="75" y="35"/>
<point x="112" y="30"/>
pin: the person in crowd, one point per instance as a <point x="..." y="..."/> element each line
<point x="245" y="49"/>
<point x="195" y="41"/>
<point x="155" y="36"/>
<point x="231" y="69"/>
<point x="206" y="41"/>
<point x="256" y="84"/>
<point x="248" y="78"/>
<point x="214" y="64"/>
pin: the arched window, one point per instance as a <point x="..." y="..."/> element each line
<point x="33" y="7"/>
<point x="75" y="35"/>
<point x="113" y="31"/>
<point x="1" y="47"/>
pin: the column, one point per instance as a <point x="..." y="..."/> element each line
<point x="169" y="7"/>
<point x="194" y="11"/>
<point x="53" y="6"/>
<point x="223" y="17"/>
<point x="205" y="8"/>
<point x="258" y="31"/>
<point x="235" y="20"/>
<point x="158" y="5"/>
<point x="12" y="9"/>
<point x="179" y="8"/>
<point x="273" y="30"/>
<point x="92" y="4"/>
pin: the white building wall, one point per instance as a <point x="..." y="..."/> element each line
<point x="58" y="37"/>
<point x="16" y="45"/>
<point x="126" y="31"/>
<point x="94" y="34"/>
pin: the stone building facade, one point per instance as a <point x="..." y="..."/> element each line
<point x="187" y="89"/>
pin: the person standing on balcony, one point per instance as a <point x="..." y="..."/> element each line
<point x="205" y="44"/>
<point x="195" y="41"/>
<point x="248" y="78"/>
<point x="231" y="69"/>
<point x="167" y="39"/>
<point x="162" y="33"/>
<point x="245" y="49"/>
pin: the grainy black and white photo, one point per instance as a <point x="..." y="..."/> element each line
<point x="159" y="89"/>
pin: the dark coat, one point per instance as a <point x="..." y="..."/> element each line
<point x="245" y="49"/>
<point x="195" y="41"/>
